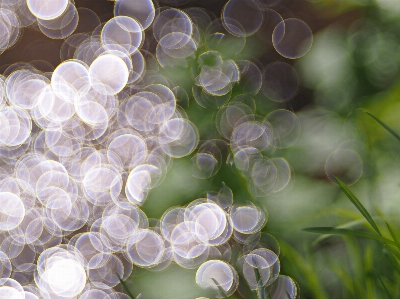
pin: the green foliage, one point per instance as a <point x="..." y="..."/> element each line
<point x="393" y="133"/>
<point x="383" y="285"/>
<point x="357" y="204"/>
<point x="347" y="232"/>
<point x="126" y="288"/>
<point x="260" y="289"/>
<point x="222" y="291"/>
<point x="373" y="236"/>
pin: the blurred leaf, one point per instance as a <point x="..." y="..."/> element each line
<point x="384" y="126"/>
<point x="392" y="233"/>
<point x="347" y="232"/>
<point x="125" y="287"/>
<point x="383" y="284"/>
<point x="394" y="255"/>
<point x="358" y="204"/>
<point x="347" y="225"/>
<point x="344" y="277"/>
<point x="306" y="269"/>
<point x="357" y="266"/>
<point x="244" y="289"/>
<point x="368" y="266"/>
<point x="392" y="260"/>
<point x="257" y="271"/>
<point x="341" y="212"/>
<point x="220" y="288"/>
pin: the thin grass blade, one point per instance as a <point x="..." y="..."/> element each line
<point x="393" y="133"/>
<point x="392" y="233"/>
<point x="383" y="285"/>
<point x="125" y="287"/>
<point x="245" y="290"/>
<point x="347" y="232"/>
<point x="348" y="225"/>
<point x="220" y="288"/>
<point x="392" y="259"/>
<point x="257" y="271"/>
<point x="358" y="204"/>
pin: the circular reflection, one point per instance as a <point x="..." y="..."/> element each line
<point x="207" y="161"/>
<point x="280" y="82"/>
<point x="88" y="20"/>
<point x="23" y="88"/>
<point x="344" y="164"/>
<point x="215" y="274"/>
<point x="9" y="292"/>
<point x="242" y="17"/>
<point x="173" y="21"/>
<point x="58" y="273"/>
<point x="15" y="126"/>
<point x="271" y="20"/>
<point x="123" y="31"/>
<point x="106" y="125"/>
<point x="223" y="198"/>
<point x="29" y="295"/>
<point x="263" y="261"/>
<point x="63" y="277"/>
<point x="178" y="137"/>
<point x="141" y="10"/>
<point x="113" y="80"/>
<point x="286" y="127"/>
<point x="250" y="77"/>
<point x="253" y="134"/>
<point x="47" y="9"/>
<point x="145" y="248"/>
<point x="62" y="26"/>
<point x="292" y="38"/>
<point x="247" y="219"/>
<point x="70" y="80"/>
<point x="218" y="38"/>
<point x="5" y="267"/>
<point x="284" y="287"/>
<point x="140" y="181"/>
<point x="12" y="211"/>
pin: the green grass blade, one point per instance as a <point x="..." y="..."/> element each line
<point x="358" y="204"/>
<point x="347" y="232"/>
<point x="220" y="288"/>
<point x="394" y="257"/>
<point x="257" y="271"/>
<point x="383" y="285"/>
<point x="245" y="290"/>
<point x="384" y="126"/>
<point x="392" y="233"/>
<point x="391" y="257"/>
<point x="348" y="225"/>
<point x="125" y="287"/>
<point x="304" y="265"/>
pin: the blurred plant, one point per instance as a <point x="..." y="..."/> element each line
<point x="392" y="245"/>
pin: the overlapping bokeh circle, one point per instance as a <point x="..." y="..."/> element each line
<point x="82" y="145"/>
